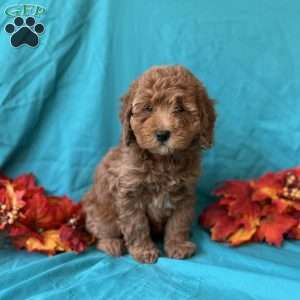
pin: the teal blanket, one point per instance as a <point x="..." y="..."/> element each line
<point x="62" y="73"/>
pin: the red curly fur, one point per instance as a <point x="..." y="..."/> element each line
<point x="145" y="187"/>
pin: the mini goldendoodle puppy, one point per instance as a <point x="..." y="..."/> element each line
<point x="146" y="185"/>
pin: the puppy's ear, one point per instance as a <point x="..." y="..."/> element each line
<point x="126" y="113"/>
<point x="207" y="117"/>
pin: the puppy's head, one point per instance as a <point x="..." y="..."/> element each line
<point x="167" y="110"/>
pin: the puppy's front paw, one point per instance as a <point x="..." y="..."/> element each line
<point x="113" y="247"/>
<point x="180" y="250"/>
<point x="146" y="255"/>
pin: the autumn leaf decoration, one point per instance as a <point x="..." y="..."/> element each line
<point x="38" y="222"/>
<point x="267" y="209"/>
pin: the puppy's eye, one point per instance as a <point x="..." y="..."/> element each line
<point x="178" y="108"/>
<point x="148" y="108"/>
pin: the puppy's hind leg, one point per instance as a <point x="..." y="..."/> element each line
<point x="101" y="221"/>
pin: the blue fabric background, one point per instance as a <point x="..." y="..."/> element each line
<point x="59" y="108"/>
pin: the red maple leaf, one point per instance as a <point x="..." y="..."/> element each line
<point x="234" y="189"/>
<point x="212" y="214"/>
<point x="267" y="187"/>
<point x="47" y="212"/>
<point x="21" y="233"/>
<point x="77" y="239"/>
<point x="238" y="207"/>
<point x="26" y="181"/>
<point x="27" y="184"/>
<point x="265" y="209"/>
<point x="36" y="214"/>
<point x="36" y="221"/>
<point x="273" y="228"/>
<point x="216" y="218"/>
<point x="61" y="209"/>
<point x="279" y="206"/>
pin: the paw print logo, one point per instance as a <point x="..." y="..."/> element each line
<point x="24" y="32"/>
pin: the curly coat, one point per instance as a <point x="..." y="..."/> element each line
<point x="146" y="185"/>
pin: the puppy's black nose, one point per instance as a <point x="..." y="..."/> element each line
<point x="162" y="135"/>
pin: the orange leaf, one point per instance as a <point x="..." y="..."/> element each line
<point x="241" y="236"/>
<point x="273" y="228"/>
<point x="50" y="244"/>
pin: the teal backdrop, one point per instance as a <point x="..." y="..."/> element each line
<point x="59" y="106"/>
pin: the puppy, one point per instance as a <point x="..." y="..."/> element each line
<point x="146" y="185"/>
